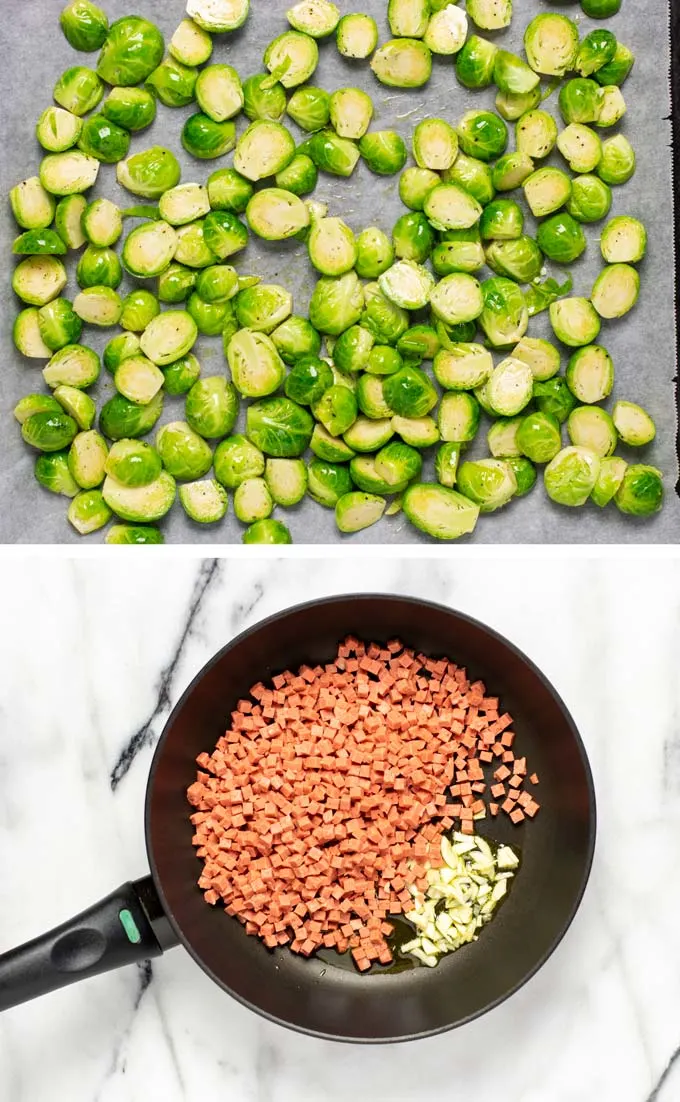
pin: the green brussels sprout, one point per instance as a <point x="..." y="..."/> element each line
<point x="541" y="356"/>
<point x="35" y="403"/>
<point x="85" y="26"/>
<point x="355" y="511"/>
<point x="138" y="380"/>
<point x="580" y="100"/>
<point x="413" y="237"/>
<point x="291" y="58"/>
<point x="609" y="479"/>
<point x="615" y="290"/>
<point x="408" y="18"/>
<point x="102" y="223"/>
<point x="286" y="480"/>
<point x="176" y="283"/>
<point x="263" y="99"/>
<point x="418" y="343"/>
<point x="308" y="380"/>
<point x="39" y="279"/>
<point x="100" y="306"/>
<point x="574" y="321"/>
<point x="502" y="220"/>
<point x="463" y="367"/>
<point x="206" y="139"/>
<point x="68" y="220"/>
<point x="374" y="253"/>
<point x="39" y="243"/>
<point x="133" y="463"/>
<point x="168" y="337"/>
<point x="580" y="147"/>
<point x="407" y="284"/>
<point x="505" y="317"/>
<point x="367" y="436"/>
<point x="590" y="374"/>
<point x="554" y="397"/>
<point x="616" y="71"/>
<point x="211" y="407"/>
<point x="482" y="134"/>
<point x="32" y="206"/>
<point x="181" y="375"/>
<point x="551" y="43"/>
<point x="332" y="154"/>
<point x="613" y="106"/>
<point x="415" y="184"/>
<point x="357" y="36"/>
<point x="512" y="105"/>
<point x="571" y="476"/>
<point x="58" y="130"/>
<point x="489" y="483"/>
<point x="217" y="284"/>
<point x="149" y="173"/>
<point x="490" y="15"/>
<point x="317" y="18"/>
<point x="276" y="214"/>
<point x="446" y="464"/>
<point x="403" y="63"/>
<point x="327" y="482"/>
<point x="598" y="48"/>
<point x="119" y="349"/>
<point x="183" y="452"/>
<point x="236" y="460"/>
<point x="133" y="534"/>
<point x="446" y="30"/>
<point x="352" y="348"/>
<point x="263" y="149"/>
<point x="623" y="240"/>
<point x="132" y="108"/>
<point x="87" y="459"/>
<point x="546" y="190"/>
<point x="279" y="427"/>
<point x="73" y="365"/>
<point x="133" y="49"/>
<point x="193" y="250"/>
<point x="384" y="318"/>
<point x="256" y="368"/>
<point x="49" y="432"/>
<point x="228" y="190"/>
<point x="511" y="170"/>
<point x="591" y="427"/>
<point x="590" y="199"/>
<point x="51" y="471"/>
<point x="383" y="151"/>
<point x="536" y="134"/>
<point x="450" y="207"/>
<point x="472" y="176"/>
<point x="295" y="339"/>
<point x="409" y="392"/>
<point x="183" y="204"/>
<point x="140" y="307"/>
<point x="205" y="502"/>
<point x="397" y="464"/>
<point x="502" y="438"/>
<point x="267" y="531"/>
<point x="223" y="234"/>
<point x="331" y="246"/>
<point x="59" y="324"/>
<point x="299" y="177"/>
<point x="475" y="62"/>
<point x="219" y="92"/>
<point x="141" y="504"/>
<point x="336" y="409"/>
<point x="641" y="491"/>
<point x="384" y="360"/>
<point x="210" y="317"/>
<point x="310" y="108"/>
<point x="263" y="306"/>
<point x="78" y="90"/>
<point x="88" y="512"/>
<point x="438" y="511"/>
<point x="371" y="400"/>
<point x="633" y="424"/>
<point x="366" y="478"/>
<point x="26" y="335"/>
<point x="513" y="75"/>
<point x="218" y="16"/>
<point x="509" y="388"/>
<point x="539" y="437"/>
<point x="525" y="474"/>
<point x="457" y="298"/>
<point x="434" y="144"/>
<point x="174" y="84"/>
<point x="336" y="303"/>
<point x="149" y="249"/>
<point x="617" y="163"/>
<point x="69" y="174"/>
<point x="190" y="44"/>
<point x="520" y="260"/>
<point x="99" y="268"/>
<point x="351" y="111"/>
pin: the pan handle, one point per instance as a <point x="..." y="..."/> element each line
<point x="127" y="926"/>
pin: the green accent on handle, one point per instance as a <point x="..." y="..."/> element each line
<point x="130" y="926"/>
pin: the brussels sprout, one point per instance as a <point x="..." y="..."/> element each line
<point x="336" y="409"/>
<point x="490" y="15"/>
<point x="617" y="164"/>
<point x="328" y="482"/>
<point x="439" y="511"/>
<point x="211" y="317"/>
<point x="616" y="71"/>
<point x="561" y="238"/>
<point x="78" y="90"/>
<point x="330" y="448"/>
<point x="580" y="100"/>
<point x="489" y="483"/>
<point x="141" y="504"/>
<point x="352" y="348"/>
<point x="133" y="534"/>
<point x="291" y="58"/>
<point x="472" y="176"/>
<point x="351" y="111"/>
<point x="190" y="44"/>
<point x="58" y="130"/>
<point x="554" y="397"/>
<point x="387" y="321"/>
<point x="367" y="436"/>
<point x="336" y="303"/>
<point x="176" y="283"/>
<point x="212" y="407"/>
<point x="276" y="214"/>
<point x="119" y="349"/>
<point x="623" y="240"/>
<point x="263" y="306"/>
<point x="590" y="199"/>
<point x="133" y="49"/>
<point x="85" y="26"/>
<point x="120" y="418"/>
<point x="418" y="343"/>
<point x="633" y="424"/>
<point x="475" y="62"/>
<point x="100" y="306"/>
<point x="541" y="356"/>
<point x="374" y="253"/>
<point x="218" y="16"/>
<point x="99" y="268"/>
<point x="457" y="298"/>
<point x="593" y="428"/>
<point x="32" y="206"/>
<point x="337" y="156"/>
<point x="39" y="243"/>
<point x="149" y="173"/>
<point x="52" y="472"/>
<point x="132" y="463"/>
<point x="102" y="224"/>
<point x="263" y="149"/>
<point x="513" y="75"/>
<point x="371" y="399"/>
<point x="539" y="437"/>
<point x="613" y="106"/>
<point x="571" y="476"/>
<point x="68" y="173"/>
<point x="502" y="220"/>
<point x="104" y="140"/>
<point x="39" y="279"/>
<point x="279" y="427"/>
<point x="168" y="337"/>
<point x="415" y="184"/>
<point x="149" y="249"/>
<point x="446" y="464"/>
<point x="308" y="380"/>
<point x="132" y="108"/>
<point x="450" y="207"/>
<point x="183" y="452"/>
<point x="446" y="30"/>
<point x="267" y="531"/>
<point x="574" y="321"/>
<point x="511" y="170"/>
<point x="463" y="367"/>
<point x="510" y="387"/>
<point x="35" y="403"/>
<point x="256" y="367"/>
<point x="590" y="374"/>
<point x="88" y="512"/>
<point x="180" y="376"/>
<point x="512" y="105"/>
<point x="409" y="392"/>
<point x="193" y="250"/>
<point x="367" y="479"/>
<point x="536" y="134"/>
<point x="68" y="221"/>
<point x="332" y="246"/>
<point x="546" y="190"/>
<point x="49" y="432"/>
<point x="502" y="438"/>
<point x="520" y="260"/>
<point x="408" y="18"/>
<point x="641" y="491"/>
<point x="383" y="151"/>
<point x="138" y="379"/>
<point x="263" y="99"/>
<point x="206" y="139"/>
<point x="434" y="144"/>
<point x="296" y="339"/>
<point x="355" y="511"/>
<point x="609" y="479"/>
<point x="524" y="472"/>
<point x="317" y="18"/>
<point x="397" y="464"/>
<point x="286" y="480"/>
<point x="299" y="177"/>
<point x="205" y="502"/>
<point x="59" y="324"/>
<point x="357" y="36"/>
<point x="580" y="147"/>
<point x="228" y="190"/>
<point x="219" y="92"/>
<point x="551" y="43"/>
<point x="26" y="335"/>
<point x="139" y="310"/>
<point x="407" y="284"/>
<point x="505" y="317"/>
<point x="236" y="460"/>
<point x="217" y="284"/>
<point x="384" y="360"/>
<point x="482" y="134"/>
<point x="597" y="49"/>
<point x="615" y="290"/>
<point x="310" y="108"/>
<point x="403" y="63"/>
<point x="184" y="203"/>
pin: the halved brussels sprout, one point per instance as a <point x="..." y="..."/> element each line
<point x="408" y="18"/>
<point x="357" y="36"/>
<point x="590" y="199"/>
<point x="520" y="260"/>
<point x="525" y="474"/>
<point x="120" y="418"/>
<point x="450" y="207"/>
<point x="513" y="75"/>
<point x="387" y="321"/>
<point x="26" y="335"/>
<point x="132" y="108"/>
<point x="553" y="396"/>
<point x="286" y="480"/>
<point x="367" y="436"/>
<point x="205" y="502"/>
<point x="615" y="290"/>
<point x="78" y="90"/>
<point x="408" y="285"/>
<point x="446" y="464"/>
<point x="473" y="176"/>
<point x="308" y="380"/>
<point x="336" y="409"/>
<point x="490" y="15"/>
<point x="539" y="437"/>
<point x="252" y="501"/>
<point x="536" y="134"/>
<point x="310" y="108"/>
<point x="263" y="149"/>
<point x="181" y="375"/>
<point x="327" y="482"/>
<point x="511" y="170"/>
<point x="39" y="279"/>
<point x="291" y="58"/>
<point x="132" y="463"/>
<point x="509" y="388"/>
<point x="546" y="190"/>
<point x="613" y="106"/>
<point x="68" y="220"/>
<point x="617" y="163"/>
<point x="32" y="206"/>
<point x="58" y="130"/>
<point x="263" y="306"/>
<point x="228" y="190"/>
<point x="331" y="448"/>
<point x="39" y="243"/>
<point x="190" y="44"/>
<point x="580" y="100"/>
<point x="541" y="356"/>
<point x="397" y="464"/>
<point x="100" y="306"/>
<point x="457" y="298"/>
<point x="59" y="324"/>
<point x="482" y="134"/>
<point x="374" y="253"/>
<point x="256" y="367"/>
<point x="219" y="92"/>
<point x="332" y="154"/>
<point x="616" y="71"/>
<point x="119" y="349"/>
<point x="623" y="240"/>
<point x="502" y="438"/>
<point x="505" y="317"/>
<point x="590" y="374"/>
<point x="183" y="452"/>
<point x="236" y="460"/>
<point x="418" y="343"/>
<point x="502" y="220"/>
<point x="206" y="139"/>
<point x="104" y="140"/>
<point x="571" y="476"/>
<point x="184" y="203"/>
<point x="87" y="459"/>
<point x="102" y="223"/>
<point x="641" y="491"/>
<point x="592" y="427"/>
<point x="219" y="283"/>
<point x="88" y="512"/>
<point x="409" y="392"/>
<point x="149" y="249"/>
<point x="295" y="339"/>
<point x="512" y="105"/>
<point x="384" y="360"/>
<point x="263" y="99"/>
<point x="463" y="367"/>
<point x="68" y="173"/>
<point x="267" y="531"/>
<point x="133" y="49"/>
<point x="580" y="147"/>
<point x="371" y="399"/>
<point x="276" y="214"/>
<point x="211" y="407"/>
<point x="336" y="303"/>
<point x="140" y="307"/>
<point x="168" y="337"/>
<point x="633" y="424"/>
<point x="149" y="173"/>
<point x="355" y="511"/>
<point x="223" y="235"/>
<point x="133" y="534"/>
<point x="49" y="432"/>
<point x="383" y="151"/>
<point x="193" y="252"/>
<point x="317" y="18"/>
<point x="299" y="177"/>
<point x="403" y="63"/>
<point x="551" y="44"/>
<point x="439" y="511"/>
<point x="489" y="483"/>
<point x="138" y="380"/>
<point x="51" y="471"/>
<point x="279" y="427"/>
<point x="141" y="504"/>
<point x="574" y="321"/>
<point x="367" y="479"/>
<point x="475" y="61"/>
<point x="218" y="16"/>
<point x="35" y="403"/>
<point x="434" y="144"/>
<point x="446" y="30"/>
<point x="351" y="111"/>
<point x="332" y="246"/>
<point x="597" y="49"/>
<point x="415" y="184"/>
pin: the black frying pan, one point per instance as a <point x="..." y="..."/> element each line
<point x="143" y="918"/>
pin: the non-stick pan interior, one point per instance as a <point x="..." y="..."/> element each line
<point x="556" y="847"/>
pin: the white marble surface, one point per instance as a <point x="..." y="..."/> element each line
<point x="93" y="652"/>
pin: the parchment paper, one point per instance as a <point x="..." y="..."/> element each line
<point x="642" y="344"/>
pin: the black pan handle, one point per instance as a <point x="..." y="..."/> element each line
<point x="127" y="926"/>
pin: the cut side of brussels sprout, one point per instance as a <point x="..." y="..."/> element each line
<point x="357" y="36"/>
<point x="291" y="58"/>
<point x="184" y="203"/>
<point x="623" y="240"/>
<point x="458" y="417"/>
<point x="39" y="279"/>
<point x="590" y="374"/>
<point x="510" y="387"/>
<point x="169" y="337"/>
<point x="457" y="298"/>
<point x="355" y="511"/>
<point x="551" y="43"/>
<point x="102" y="223"/>
<point x="218" y="16"/>
<point x="88" y="512"/>
<point x="489" y="483"/>
<point x="633" y="424"/>
<point x="446" y="30"/>
<point x="317" y="18"/>
<point x="615" y="290"/>
<point x="27" y="337"/>
<point x="68" y="173"/>
<point x="138" y="379"/>
<point x="256" y="368"/>
<point x="219" y="92"/>
<point x="593" y="428"/>
<point x="32" y="206"/>
<point x="439" y="511"/>
<point x="541" y="356"/>
<point x="140" y="504"/>
<point x="435" y="144"/>
<point x="204" y="502"/>
<point x="351" y="111"/>
<point x="580" y="147"/>
<point x="286" y="481"/>
<point x="149" y="249"/>
<point x="78" y="90"/>
<point x="263" y="149"/>
<point x="574" y="321"/>
<point x="276" y="214"/>
<point x="403" y="63"/>
<point x="368" y="436"/>
<point x="190" y="44"/>
<point x="464" y="367"/>
<point x="58" y="130"/>
<point x="536" y="134"/>
<point x="571" y="476"/>
<point x="408" y="285"/>
<point x="252" y="501"/>
<point x="100" y="306"/>
<point x="502" y="438"/>
<point x="546" y="190"/>
<point x="450" y="207"/>
<point x="74" y="365"/>
<point x="490" y="15"/>
<point x="149" y="173"/>
<point x="132" y="463"/>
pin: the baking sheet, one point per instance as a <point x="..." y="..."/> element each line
<point x="642" y="344"/>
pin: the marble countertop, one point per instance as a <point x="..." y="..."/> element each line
<point x="93" y="656"/>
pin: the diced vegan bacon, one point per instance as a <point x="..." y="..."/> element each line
<point x="327" y="797"/>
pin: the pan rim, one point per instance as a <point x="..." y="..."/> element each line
<point x="490" y="632"/>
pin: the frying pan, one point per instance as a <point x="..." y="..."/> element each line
<point x="324" y="997"/>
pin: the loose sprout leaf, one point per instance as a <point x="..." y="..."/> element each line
<point x="539" y="296"/>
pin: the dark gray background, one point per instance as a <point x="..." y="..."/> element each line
<point x="642" y="344"/>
